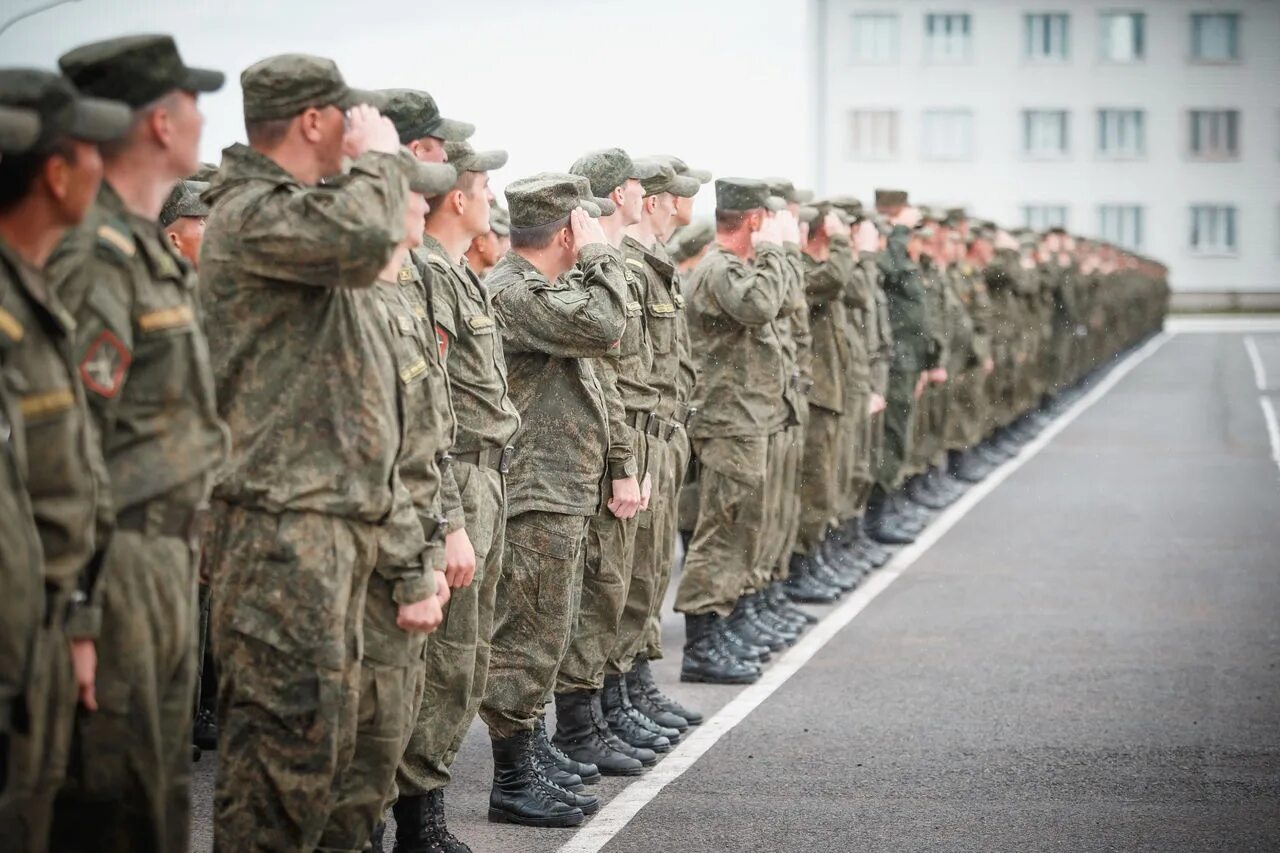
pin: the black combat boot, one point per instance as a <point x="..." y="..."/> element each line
<point x="622" y="724"/>
<point x="642" y="675"/>
<point x="967" y="467"/>
<point x="780" y="606"/>
<point x="743" y="623"/>
<point x="579" y="735"/>
<point x="549" y="771"/>
<point x="705" y="661"/>
<point x="800" y="585"/>
<point x="519" y="793"/>
<point x="919" y="492"/>
<point x="763" y="615"/>
<point x="638" y="693"/>
<point x="880" y="523"/>
<point x="874" y="553"/>
<point x="549" y="766"/>
<point x="646" y="757"/>
<point x="912" y="517"/>
<point x="587" y="772"/>
<point x="640" y="717"/>
<point x="421" y="828"/>
<point x="733" y="645"/>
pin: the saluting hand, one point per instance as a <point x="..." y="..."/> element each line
<point x="866" y="236"/>
<point x="586" y="230"/>
<point x="369" y="130"/>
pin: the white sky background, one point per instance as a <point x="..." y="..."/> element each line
<point x="720" y="83"/>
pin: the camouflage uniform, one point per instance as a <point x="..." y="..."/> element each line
<point x="863" y="301"/>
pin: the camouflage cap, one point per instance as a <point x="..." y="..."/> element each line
<point x="499" y="220"/>
<point x="847" y="205"/>
<point x="603" y="206"/>
<point x="775" y="203"/>
<point x="702" y="176"/>
<point x="464" y="158"/>
<point x="956" y="215"/>
<point x="416" y="116"/>
<point x="430" y="179"/>
<point x="135" y="70"/>
<point x="741" y="194"/>
<point x="184" y="200"/>
<point x="691" y="239"/>
<point x="282" y="86"/>
<point x="891" y="198"/>
<point x="809" y="214"/>
<point x="609" y="168"/>
<point x="545" y="198"/>
<point x="662" y="178"/>
<point x="19" y="129"/>
<point x="61" y="110"/>
<point x="805" y="196"/>
<point x="783" y="189"/>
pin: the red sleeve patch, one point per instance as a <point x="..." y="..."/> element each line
<point x="103" y="367"/>
<point x="442" y="340"/>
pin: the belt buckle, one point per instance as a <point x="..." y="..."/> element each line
<point x="504" y="463"/>
<point x="690" y="411"/>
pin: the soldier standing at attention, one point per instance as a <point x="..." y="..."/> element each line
<point x="145" y="366"/>
<point x="183" y="217"/>
<point x="50" y="497"/>
<point x="308" y="385"/>
<point x="560" y="297"/>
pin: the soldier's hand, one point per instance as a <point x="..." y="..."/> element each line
<point x="459" y="559"/>
<point x="921" y="381"/>
<point x="988" y="365"/>
<point x="832" y="224"/>
<point x="908" y="216"/>
<point x="876" y="405"/>
<point x="84" y="665"/>
<point x="866" y="236"/>
<point x="646" y="492"/>
<point x="421" y="617"/>
<point x="804" y="233"/>
<point x="788" y="226"/>
<point x="443" y="593"/>
<point x="586" y="229"/>
<point x="769" y="232"/>
<point x="625" y="502"/>
<point x="369" y="130"/>
<point x="938" y="375"/>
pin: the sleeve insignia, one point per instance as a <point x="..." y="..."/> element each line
<point x="103" y="367"/>
<point x="442" y="340"/>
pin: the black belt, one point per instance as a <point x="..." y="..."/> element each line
<point x="498" y="458"/>
<point x="165" y="518"/>
<point x="647" y="422"/>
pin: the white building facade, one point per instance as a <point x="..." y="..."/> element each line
<point x="1154" y="124"/>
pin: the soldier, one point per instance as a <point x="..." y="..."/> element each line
<point x="145" y="366"/>
<point x="50" y="499"/>
<point x="487" y="248"/>
<point x="421" y="127"/>
<point x="735" y="296"/>
<point x="307" y="384"/>
<point x="690" y="244"/>
<point x="468" y="339"/>
<point x="560" y="295"/>
<point x="183" y="217"/>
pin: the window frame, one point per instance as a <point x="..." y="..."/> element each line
<point x="927" y="42"/>
<point x="1141" y="153"/>
<point x="895" y="135"/>
<point x="1024" y="147"/>
<point x="1190" y="126"/>
<point x="895" y="50"/>
<point x="1139" y="224"/>
<point x="1028" y="40"/>
<point x="1216" y="251"/>
<point x="925" y="136"/>
<point x="1025" y="210"/>
<point x="1140" y="55"/>
<point x="1195" y="58"/>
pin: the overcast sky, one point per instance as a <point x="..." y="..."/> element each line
<point x="721" y="83"/>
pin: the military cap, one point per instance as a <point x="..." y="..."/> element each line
<point x="282" y="86"/>
<point x="882" y="224"/>
<point x="775" y="203"/>
<point x="60" y="109"/>
<point x="691" y="239"/>
<point x="956" y="215"/>
<point x="847" y="205"/>
<point x="891" y="198"/>
<point x="805" y="196"/>
<point x="702" y="176"/>
<point x="594" y="204"/>
<point x="19" y="129"/>
<point x="430" y="179"/>
<point x="184" y="200"/>
<point x="610" y="168"/>
<point x="464" y="158"/>
<point x="783" y="189"/>
<point x="499" y="220"/>
<point x="809" y="214"/>
<point x="663" y="178"/>
<point x="741" y="194"/>
<point x="929" y="214"/>
<point x="416" y="116"/>
<point x="544" y="198"/>
<point x="135" y="70"/>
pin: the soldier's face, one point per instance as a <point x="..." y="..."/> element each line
<point x="186" y="234"/>
<point x="630" y="201"/>
<point x="476" y="212"/>
<point x="331" y="127"/>
<point x="185" y="123"/>
<point x="429" y="150"/>
<point x="684" y="211"/>
<point x="73" y="181"/>
<point x="414" y="214"/>
<point x="663" y="212"/>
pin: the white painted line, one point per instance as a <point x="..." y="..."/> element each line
<point x="1273" y="427"/>
<point x="619" y="811"/>
<point x="1214" y="324"/>
<point x="1255" y="358"/>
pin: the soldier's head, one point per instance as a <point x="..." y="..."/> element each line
<point x="741" y="205"/>
<point x="540" y="206"/>
<point x="426" y="181"/>
<point x="183" y="217"/>
<point x="691" y="243"/>
<point x="663" y="190"/>
<point x="684" y="204"/>
<point x="461" y="213"/>
<point x="1051" y="241"/>
<point x="295" y="112"/>
<point x="146" y="73"/>
<point x="487" y="248"/>
<point x="422" y="129"/>
<point x="51" y="168"/>
<point x="612" y="174"/>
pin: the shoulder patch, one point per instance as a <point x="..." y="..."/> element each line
<point x="438" y="260"/>
<point x="10" y="326"/>
<point x="104" y="364"/>
<point x="480" y="324"/>
<point x="636" y="262"/>
<point x="111" y="236"/>
<point x="634" y="309"/>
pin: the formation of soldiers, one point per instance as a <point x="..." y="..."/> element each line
<point x="433" y="457"/>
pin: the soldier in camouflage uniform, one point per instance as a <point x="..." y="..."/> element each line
<point x="54" y="515"/>
<point x="145" y="367"/>
<point x="560" y="297"/>
<point x="488" y="248"/>
<point x="308" y="385"/>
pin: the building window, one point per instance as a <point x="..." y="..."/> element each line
<point x="1041" y="217"/>
<point x="1121" y="224"/>
<point x="1046" y="38"/>
<point x="1121" y="133"/>
<point x="1214" y="134"/>
<point x="1045" y="133"/>
<point x="1123" y="36"/>
<point x="873" y="134"/>
<point x="946" y="38"/>
<point x="875" y="39"/>
<point x="947" y="135"/>
<point x="1213" y="229"/>
<point x="1215" y="37"/>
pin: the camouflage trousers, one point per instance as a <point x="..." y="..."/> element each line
<point x="876" y="451"/>
<point x="606" y="578"/>
<point x="779" y="502"/>
<point x="288" y="610"/>
<point x="854" y="459"/>
<point x="391" y="678"/>
<point x="675" y="466"/>
<point x="457" y="657"/>
<point x="650" y="565"/>
<point x="930" y="428"/>
<point x="820" y="476"/>
<point x="128" y="783"/>
<point x="537" y="606"/>
<point x="779" y="560"/>
<point x="727" y="541"/>
<point x="899" y="418"/>
<point x="968" y="406"/>
<point x="37" y="753"/>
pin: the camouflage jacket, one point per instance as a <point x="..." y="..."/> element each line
<point x="667" y="325"/>
<point x="825" y="284"/>
<point x="913" y="349"/>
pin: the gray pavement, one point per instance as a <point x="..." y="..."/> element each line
<point x="1089" y="660"/>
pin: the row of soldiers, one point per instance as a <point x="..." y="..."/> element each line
<point x="430" y="454"/>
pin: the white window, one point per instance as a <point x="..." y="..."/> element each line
<point x="1214" y="134"/>
<point x="1045" y="133"/>
<point x="1121" y="133"/>
<point x="947" y="135"/>
<point x="873" y="134"/>
<point x="946" y="38"/>
<point x="1041" y="217"/>
<point x="1046" y="38"/>
<point x="1121" y="224"/>
<point x="1213" y="229"/>
<point x="875" y="39"/>
<point x="1215" y="37"/>
<point x="1123" y="36"/>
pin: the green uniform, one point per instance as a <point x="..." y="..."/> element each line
<point x="969" y="397"/>
<point x="867" y="333"/>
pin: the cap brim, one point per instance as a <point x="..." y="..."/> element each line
<point x="356" y="97"/>
<point x="432" y="179"/>
<point x="592" y="209"/>
<point x="19" y="130"/>
<point x="644" y="170"/>
<point x="684" y="186"/>
<point x="203" y="80"/>
<point x="97" y="120"/>
<point x="702" y="176"/>
<point x="773" y="204"/>
<point x="452" y="131"/>
<point x="804" y="196"/>
<point x="500" y="228"/>
<point x="487" y="161"/>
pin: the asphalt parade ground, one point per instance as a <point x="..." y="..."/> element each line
<point x="1082" y="654"/>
